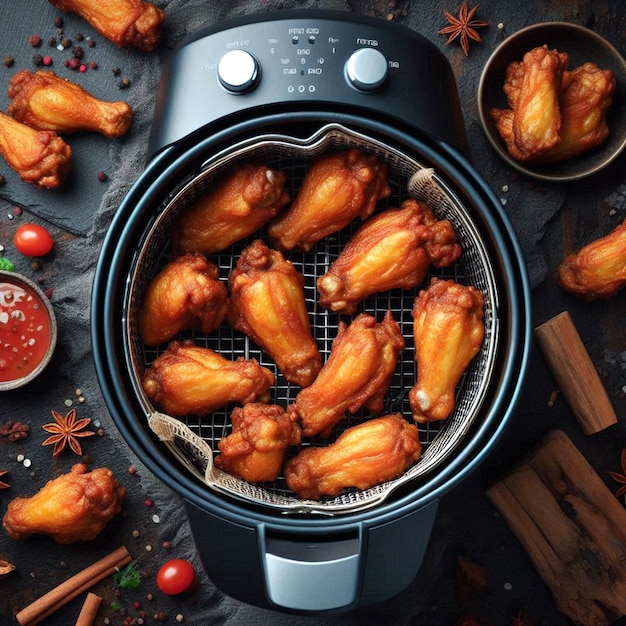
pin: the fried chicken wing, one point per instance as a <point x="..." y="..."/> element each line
<point x="235" y="208"/>
<point x="597" y="270"/>
<point x="537" y="120"/>
<point x="393" y="249"/>
<point x="267" y="304"/>
<point x="586" y="96"/>
<point x="45" y="101"/>
<point x="124" y="22"/>
<point x="337" y="188"/>
<point x="72" y="507"/>
<point x="359" y="369"/>
<point x="185" y="295"/>
<point x="256" y="449"/>
<point x="449" y="330"/>
<point x="371" y="453"/>
<point x="189" y="379"/>
<point x="40" y="157"/>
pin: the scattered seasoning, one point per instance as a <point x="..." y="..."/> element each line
<point x="156" y="519"/>
<point x="34" y="41"/>
<point x="79" y="37"/>
<point x="180" y="618"/>
<point x="74" y="63"/>
<point x="148" y="502"/>
<point x="166" y="545"/>
<point x="47" y="60"/>
<point x="66" y="430"/>
<point x="116" y="71"/>
<point x="90" y="42"/>
<point x="132" y="469"/>
<point x="38" y="60"/>
<point x="66" y="42"/>
<point x="82" y="68"/>
<point x="4" y="485"/>
<point x="14" y="431"/>
<point x="52" y="42"/>
<point x="77" y="51"/>
<point x="464" y="27"/>
<point x="620" y="478"/>
<point x="124" y="83"/>
<point x="135" y="533"/>
<point x="8" y="60"/>
<point x="93" y="65"/>
<point x="58" y="22"/>
<point x="102" y="177"/>
<point x="508" y="586"/>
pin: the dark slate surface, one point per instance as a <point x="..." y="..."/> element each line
<point x="549" y="220"/>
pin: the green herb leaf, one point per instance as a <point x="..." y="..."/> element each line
<point x="6" y="264"/>
<point x="128" y="578"/>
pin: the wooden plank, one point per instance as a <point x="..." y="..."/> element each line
<point x="572" y="527"/>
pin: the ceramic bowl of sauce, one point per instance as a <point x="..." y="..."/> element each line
<point x="28" y="330"/>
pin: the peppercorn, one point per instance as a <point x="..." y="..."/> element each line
<point x="47" y="60"/>
<point x="77" y="51"/>
<point x="66" y="42"/>
<point x="93" y="65"/>
<point x="74" y="63"/>
<point x="90" y="42"/>
<point x="124" y="83"/>
<point x="52" y="42"/>
<point x="82" y="68"/>
<point x="38" y="59"/>
<point x="8" y="60"/>
<point x="116" y="71"/>
<point x="102" y="177"/>
<point x="79" y="37"/>
<point x="58" y="22"/>
<point x="34" y="41"/>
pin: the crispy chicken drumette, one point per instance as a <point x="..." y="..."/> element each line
<point x="73" y="507"/>
<point x="257" y="447"/>
<point x="371" y="453"/>
<point x="393" y="249"/>
<point x="597" y="270"/>
<point x="359" y="369"/>
<point x="40" y="157"/>
<point x="185" y="295"/>
<point x="45" y="101"/>
<point x="236" y="207"/>
<point x="124" y="22"/>
<point x="449" y="329"/>
<point x="267" y="304"/>
<point x="190" y="379"/>
<point x="337" y="188"/>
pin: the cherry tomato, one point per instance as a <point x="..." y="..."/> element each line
<point x="176" y="576"/>
<point x="33" y="240"/>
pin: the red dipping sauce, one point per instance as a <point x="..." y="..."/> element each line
<point x="25" y="329"/>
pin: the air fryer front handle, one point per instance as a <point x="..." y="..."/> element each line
<point x="321" y="567"/>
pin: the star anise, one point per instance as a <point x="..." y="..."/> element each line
<point x="3" y="485"/>
<point x="66" y="430"/>
<point x="464" y="26"/>
<point x="620" y="478"/>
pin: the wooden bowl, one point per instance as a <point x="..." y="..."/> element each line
<point x="582" y="45"/>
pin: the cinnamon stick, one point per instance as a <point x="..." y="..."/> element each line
<point x="575" y="373"/>
<point x="88" y="613"/>
<point x="50" y="602"/>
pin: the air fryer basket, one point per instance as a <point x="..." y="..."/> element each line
<point x="193" y="441"/>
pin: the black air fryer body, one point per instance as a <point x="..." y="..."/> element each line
<point x="291" y="73"/>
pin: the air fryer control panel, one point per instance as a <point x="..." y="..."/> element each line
<point x="307" y="60"/>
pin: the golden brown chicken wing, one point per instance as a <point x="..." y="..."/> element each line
<point x="235" y="208"/>
<point x="256" y="449"/>
<point x="40" y="157"/>
<point x="267" y="304"/>
<point x="537" y="119"/>
<point x="586" y="96"/>
<point x="72" y="507"/>
<point x="185" y="295"/>
<point x="337" y="188"/>
<point x="124" y="22"/>
<point x="359" y="369"/>
<point x="190" y="379"/>
<point x="597" y="270"/>
<point x="371" y="453"/>
<point x="393" y="249"/>
<point x="45" y="101"/>
<point x="449" y="329"/>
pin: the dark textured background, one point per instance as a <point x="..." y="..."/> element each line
<point x="550" y="220"/>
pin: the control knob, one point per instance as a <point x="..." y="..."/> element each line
<point x="366" y="69"/>
<point x="238" y="71"/>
